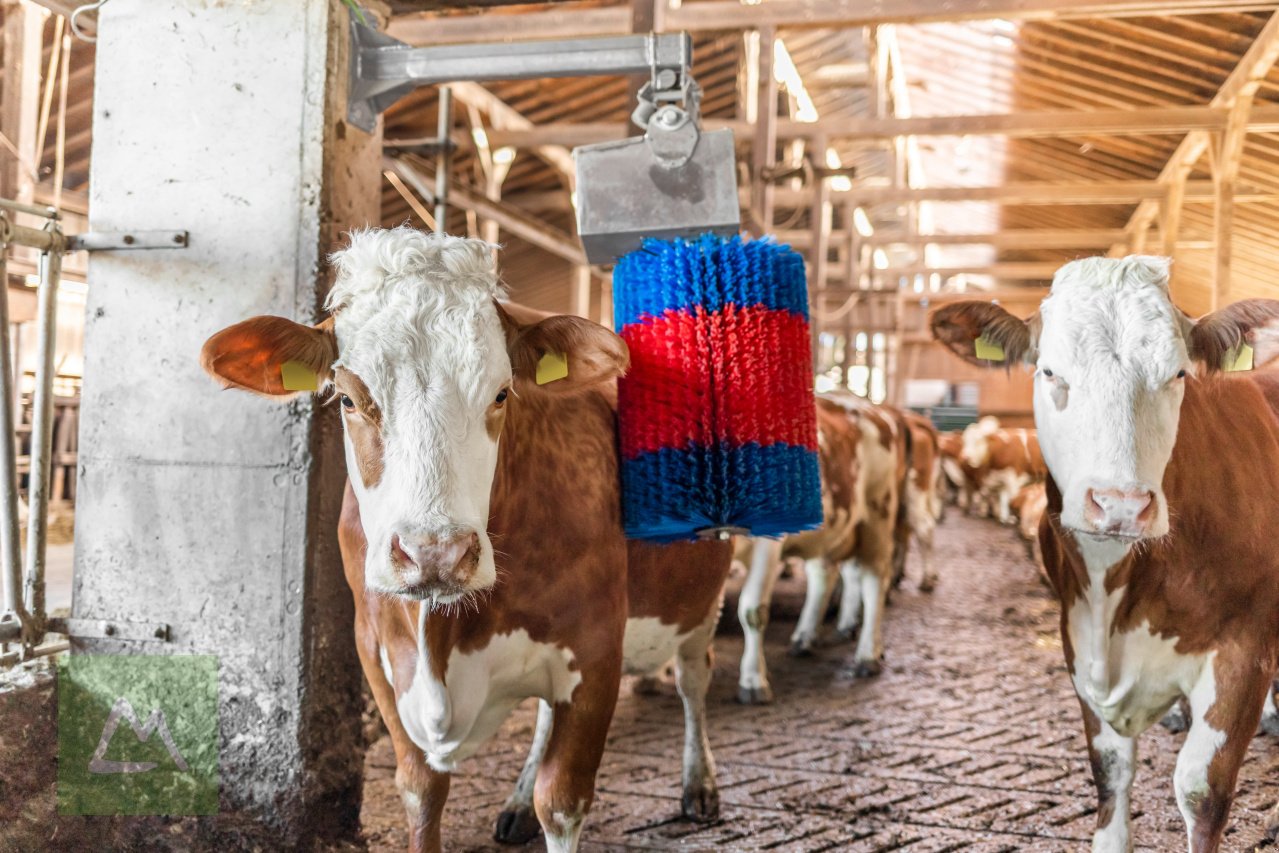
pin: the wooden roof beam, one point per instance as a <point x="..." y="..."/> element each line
<point x="1243" y="81"/>
<point x="1031" y="192"/>
<point x="521" y="224"/>
<point x="1014" y="239"/>
<point x="1027" y="125"/>
<point x="573" y="20"/>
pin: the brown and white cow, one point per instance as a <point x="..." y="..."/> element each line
<point x="961" y="479"/>
<point x="1159" y="535"/>
<point x="1029" y="506"/>
<point x="863" y="468"/>
<point x="922" y="499"/>
<point x="1002" y="462"/>
<point x="481" y="531"/>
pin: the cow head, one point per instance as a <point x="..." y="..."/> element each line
<point x="1111" y="355"/>
<point x="425" y="367"/>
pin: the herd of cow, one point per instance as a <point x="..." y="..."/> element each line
<point x="482" y="541"/>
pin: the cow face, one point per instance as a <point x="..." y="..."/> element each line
<point x="1111" y="355"/>
<point x="425" y="368"/>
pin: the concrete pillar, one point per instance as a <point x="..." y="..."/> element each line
<point x="215" y="511"/>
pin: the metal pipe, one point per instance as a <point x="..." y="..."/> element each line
<point x="13" y="612"/>
<point x="444" y="125"/>
<point x="43" y="211"/>
<point x="42" y="432"/>
<point x="35" y="238"/>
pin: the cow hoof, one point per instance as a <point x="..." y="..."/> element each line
<point x="867" y="668"/>
<point x="928" y="584"/>
<point x="762" y="695"/>
<point x="1175" y="720"/>
<point x="517" y="826"/>
<point x="801" y="649"/>
<point x="701" y="805"/>
<point x="1270" y="725"/>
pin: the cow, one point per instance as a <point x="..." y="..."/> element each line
<point x="1029" y="505"/>
<point x="1002" y="462"/>
<point x="862" y="467"/>
<point x="962" y="481"/>
<point x="922" y="496"/>
<point x="480" y="529"/>
<point x="1158" y="534"/>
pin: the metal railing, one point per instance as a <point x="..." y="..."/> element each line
<point x="23" y="618"/>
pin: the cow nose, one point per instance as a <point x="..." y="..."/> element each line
<point x="447" y="558"/>
<point x="1129" y="512"/>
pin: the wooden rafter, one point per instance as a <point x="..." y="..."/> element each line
<point x="570" y="20"/>
<point x="1019" y="239"/>
<point x="1243" y="81"/>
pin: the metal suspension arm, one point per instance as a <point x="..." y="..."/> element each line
<point x="383" y="69"/>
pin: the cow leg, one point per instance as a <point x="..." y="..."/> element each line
<point x="422" y="790"/>
<point x="923" y="524"/>
<point x="700" y="801"/>
<point x="1208" y="764"/>
<point x="517" y="823"/>
<point x="820" y="576"/>
<point x="565" y="785"/>
<point x="1114" y="759"/>
<point x="752" y="612"/>
<point x="1270" y="716"/>
<point x="850" y="600"/>
<point x="868" y="659"/>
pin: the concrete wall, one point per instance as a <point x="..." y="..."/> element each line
<point x="215" y="511"/>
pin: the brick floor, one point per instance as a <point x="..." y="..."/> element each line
<point x="970" y="740"/>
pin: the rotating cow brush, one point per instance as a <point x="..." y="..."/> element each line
<point x="716" y="414"/>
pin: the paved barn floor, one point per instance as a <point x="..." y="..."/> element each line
<point x="969" y="741"/>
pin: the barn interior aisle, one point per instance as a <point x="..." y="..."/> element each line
<point x="970" y="740"/>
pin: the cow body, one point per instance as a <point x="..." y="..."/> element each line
<point x="1003" y="462"/>
<point x="1154" y="540"/>
<point x="481" y="532"/>
<point x="922" y="498"/>
<point x="863" y="467"/>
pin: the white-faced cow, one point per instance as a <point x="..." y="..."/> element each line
<point x="863" y="467"/>
<point x="1159" y="534"/>
<point x="481" y="529"/>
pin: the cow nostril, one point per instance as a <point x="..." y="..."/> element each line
<point x="1093" y="510"/>
<point x="1147" y="503"/>
<point x="398" y="549"/>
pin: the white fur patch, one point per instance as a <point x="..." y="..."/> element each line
<point x="450" y="720"/>
<point x="648" y="644"/>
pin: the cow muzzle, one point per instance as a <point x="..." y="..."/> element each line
<point x="437" y="565"/>
<point x="1128" y="513"/>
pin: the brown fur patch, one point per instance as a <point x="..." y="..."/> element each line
<point x="364" y="426"/>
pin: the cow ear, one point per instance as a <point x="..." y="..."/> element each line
<point x="960" y="325"/>
<point x="1215" y="338"/>
<point x="561" y="353"/>
<point x="272" y="356"/>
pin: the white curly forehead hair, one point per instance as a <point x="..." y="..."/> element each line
<point x="414" y="294"/>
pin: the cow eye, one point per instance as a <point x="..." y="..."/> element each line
<point x="1048" y="373"/>
<point x="1181" y="374"/>
<point x="501" y="396"/>
<point x="348" y="403"/>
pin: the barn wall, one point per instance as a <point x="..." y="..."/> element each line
<point x="215" y="512"/>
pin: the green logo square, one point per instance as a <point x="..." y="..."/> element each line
<point x="138" y="735"/>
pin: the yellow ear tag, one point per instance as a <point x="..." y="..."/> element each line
<point x="989" y="350"/>
<point x="552" y="366"/>
<point x="296" y="376"/>
<point x="1242" y="360"/>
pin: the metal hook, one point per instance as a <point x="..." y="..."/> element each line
<point x="75" y="24"/>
